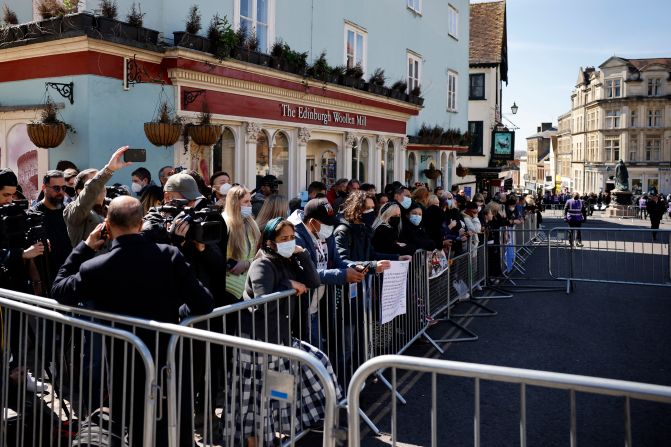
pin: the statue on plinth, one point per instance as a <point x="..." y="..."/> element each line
<point x="621" y="177"/>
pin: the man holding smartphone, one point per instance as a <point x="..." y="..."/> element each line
<point x="85" y="212"/>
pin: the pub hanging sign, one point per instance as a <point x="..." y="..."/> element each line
<point x="503" y="145"/>
<point x="323" y="116"/>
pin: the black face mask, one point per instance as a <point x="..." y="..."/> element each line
<point x="394" y="221"/>
<point x="368" y="219"/>
<point x="70" y="191"/>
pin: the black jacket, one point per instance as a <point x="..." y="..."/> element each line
<point x="270" y="273"/>
<point x="416" y="237"/>
<point x="354" y="244"/>
<point x="136" y="277"/>
<point x="386" y="240"/>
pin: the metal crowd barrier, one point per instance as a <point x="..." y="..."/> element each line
<point x="553" y="210"/>
<point x="93" y="384"/>
<point x="613" y="255"/>
<point x="524" y="377"/>
<point x="188" y="361"/>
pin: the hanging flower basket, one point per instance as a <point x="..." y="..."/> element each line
<point x="432" y="174"/>
<point x="162" y="134"/>
<point x="47" y="136"/>
<point x="461" y="171"/>
<point x="205" y="134"/>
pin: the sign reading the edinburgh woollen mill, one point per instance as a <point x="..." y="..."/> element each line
<point x="325" y="117"/>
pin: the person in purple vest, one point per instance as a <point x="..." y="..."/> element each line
<point x="575" y="215"/>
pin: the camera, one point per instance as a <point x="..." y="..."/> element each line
<point x="19" y="226"/>
<point x="114" y="191"/>
<point x="205" y="225"/>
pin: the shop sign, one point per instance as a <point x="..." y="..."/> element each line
<point x="323" y="116"/>
<point x="503" y="145"/>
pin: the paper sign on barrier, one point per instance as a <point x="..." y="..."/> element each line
<point x="279" y="386"/>
<point x="394" y="281"/>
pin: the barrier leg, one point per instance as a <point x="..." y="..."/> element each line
<point x="488" y="311"/>
<point x="386" y="383"/>
<point x="368" y="422"/>
<point x="433" y="342"/>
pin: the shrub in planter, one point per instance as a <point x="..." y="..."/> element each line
<point x="190" y="37"/>
<point x="278" y="55"/>
<point x="193" y="21"/>
<point x="297" y="62"/>
<point x="376" y="82"/>
<point x="337" y="74"/>
<point x="108" y="9"/>
<point x="320" y="68"/>
<point x="9" y="17"/>
<point x="165" y="130"/>
<point x="49" y="131"/>
<point x="353" y="77"/>
<point x="415" y="95"/>
<point x="398" y="89"/>
<point x="222" y="37"/>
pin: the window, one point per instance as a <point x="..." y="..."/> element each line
<point x="414" y="71"/>
<point x="257" y="16"/>
<point x="355" y="47"/>
<point x="415" y="5"/>
<point x="633" y="119"/>
<point x="654" y="87"/>
<point x="653" y="147"/>
<point x="613" y="88"/>
<point x="452" y="21"/>
<point x="451" y="91"/>
<point x="612" y="146"/>
<point x="477" y="86"/>
<point x="633" y="149"/>
<point x="654" y="118"/>
<point x="591" y="120"/>
<point x="612" y="119"/>
<point x="475" y="129"/>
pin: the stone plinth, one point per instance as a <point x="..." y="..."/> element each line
<point x="620" y="206"/>
<point x="621" y="197"/>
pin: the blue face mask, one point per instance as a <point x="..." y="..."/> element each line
<point x="449" y="202"/>
<point x="415" y="219"/>
<point x="407" y="201"/>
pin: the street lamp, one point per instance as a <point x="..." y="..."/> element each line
<point x="514" y="108"/>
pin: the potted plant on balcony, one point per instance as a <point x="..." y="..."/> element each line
<point x="49" y="131"/>
<point x="133" y="29"/>
<point x="190" y="37"/>
<point x="222" y="37"/>
<point x="135" y="19"/>
<point x="416" y="95"/>
<point x="337" y="74"/>
<point x="204" y="133"/>
<point x="9" y="32"/>
<point x="353" y="77"/>
<point x="320" y="68"/>
<point x="297" y="62"/>
<point x="165" y="129"/>
<point x="398" y="89"/>
<point x="376" y="82"/>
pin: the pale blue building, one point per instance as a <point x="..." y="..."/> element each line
<point x="299" y="128"/>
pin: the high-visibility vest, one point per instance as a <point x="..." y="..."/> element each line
<point x="574" y="213"/>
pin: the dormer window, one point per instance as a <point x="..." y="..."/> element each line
<point x="613" y="88"/>
<point x="654" y="87"/>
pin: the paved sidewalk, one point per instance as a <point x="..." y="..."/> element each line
<point x="603" y="330"/>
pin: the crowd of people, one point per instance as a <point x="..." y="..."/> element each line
<point x="188" y="231"/>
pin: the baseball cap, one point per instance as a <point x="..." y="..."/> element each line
<point x="183" y="184"/>
<point x="321" y="210"/>
<point x="70" y="173"/>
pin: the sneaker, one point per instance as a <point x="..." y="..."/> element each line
<point x="579" y="244"/>
<point x="464" y="297"/>
<point x="33" y="385"/>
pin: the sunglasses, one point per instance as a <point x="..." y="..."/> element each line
<point x="57" y="188"/>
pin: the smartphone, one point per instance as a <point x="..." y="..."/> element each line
<point x="136" y="155"/>
<point x="231" y="263"/>
<point x="104" y="234"/>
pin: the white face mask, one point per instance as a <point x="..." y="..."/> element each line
<point x="479" y="209"/>
<point x="286" y="249"/>
<point x="136" y="187"/>
<point x="223" y="189"/>
<point x="245" y="211"/>
<point x="325" y="231"/>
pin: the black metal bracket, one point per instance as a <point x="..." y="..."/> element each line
<point x="189" y="96"/>
<point x="67" y="91"/>
<point x="137" y="74"/>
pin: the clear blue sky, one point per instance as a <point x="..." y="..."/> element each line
<point x="549" y="40"/>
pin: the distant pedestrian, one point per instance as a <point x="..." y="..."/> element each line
<point x="575" y="215"/>
<point x="656" y="212"/>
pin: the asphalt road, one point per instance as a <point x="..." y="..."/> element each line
<point x="603" y="330"/>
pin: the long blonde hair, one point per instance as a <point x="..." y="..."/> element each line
<point x="241" y="232"/>
<point x="274" y="206"/>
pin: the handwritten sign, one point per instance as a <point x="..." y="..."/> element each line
<point x="394" y="283"/>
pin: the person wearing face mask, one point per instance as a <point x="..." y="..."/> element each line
<point x="387" y="232"/>
<point x="69" y="175"/>
<point x="140" y="180"/>
<point x="279" y="265"/>
<point x="453" y="228"/>
<point x="220" y="183"/>
<point x="413" y="232"/>
<point x="402" y="197"/>
<point x="369" y="213"/>
<point x="432" y="220"/>
<point x="314" y="231"/>
<point x="473" y="225"/>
